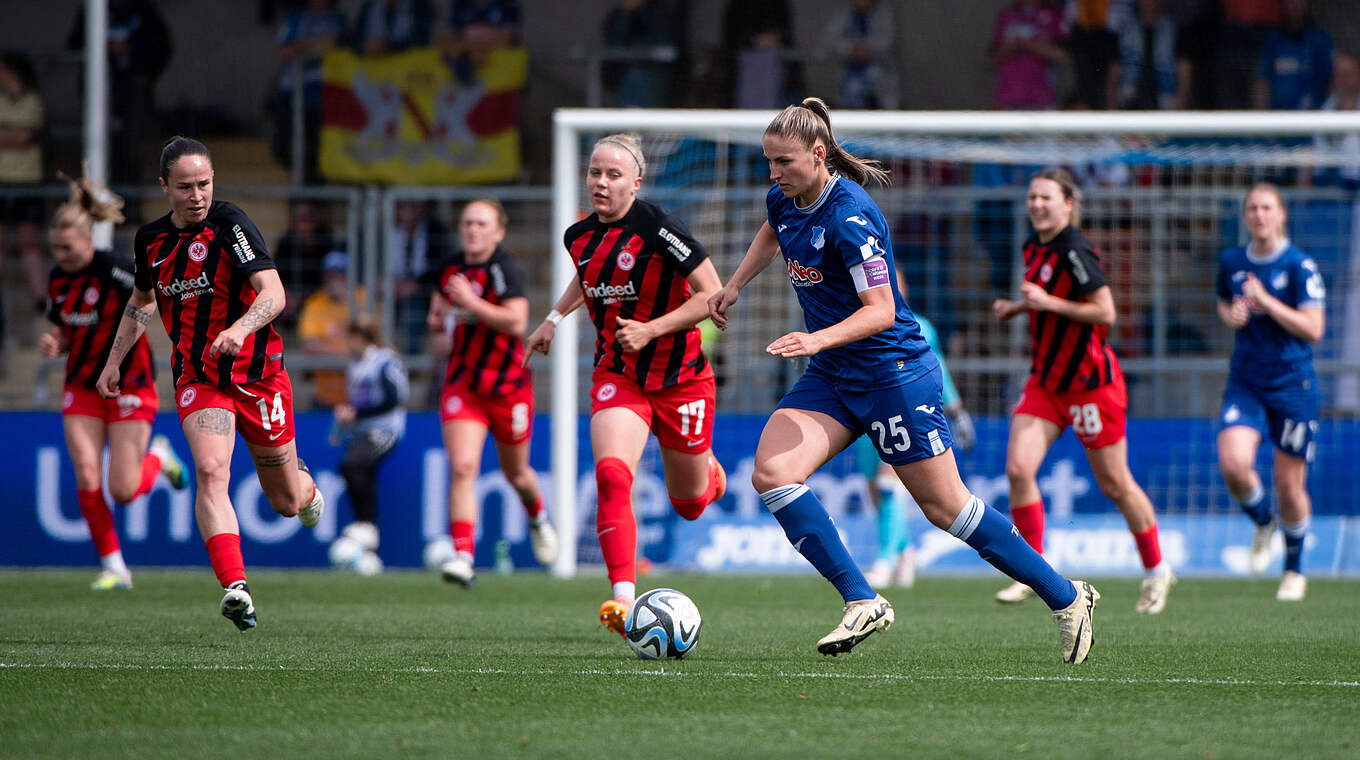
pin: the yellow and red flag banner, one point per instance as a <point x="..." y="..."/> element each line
<point x="406" y="119"/>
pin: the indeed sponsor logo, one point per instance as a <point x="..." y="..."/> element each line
<point x="186" y="286"/>
<point x="81" y="319"/>
<point x="802" y="276"/>
<point x="611" y="291"/>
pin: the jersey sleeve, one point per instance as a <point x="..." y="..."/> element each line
<point x="1222" y="287"/>
<point x="120" y="272"/>
<point x="141" y="269"/>
<point x="861" y="242"/>
<point x="1310" y="292"/>
<point x="242" y="242"/>
<point x="675" y="243"/>
<point x="506" y="279"/>
<point x="1082" y="262"/>
<point x="50" y="310"/>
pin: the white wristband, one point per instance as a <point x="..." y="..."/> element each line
<point x="554" y="316"/>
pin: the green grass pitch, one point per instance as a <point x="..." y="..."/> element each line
<point x="404" y="665"/>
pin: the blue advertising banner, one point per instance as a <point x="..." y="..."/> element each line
<point x="1173" y="459"/>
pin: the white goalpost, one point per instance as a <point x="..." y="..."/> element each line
<point x="1160" y="192"/>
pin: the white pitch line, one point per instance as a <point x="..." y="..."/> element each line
<point x="679" y="674"/>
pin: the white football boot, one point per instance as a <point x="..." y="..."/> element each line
<point x="1074" y="623"/>
<point x="861" y="619"/>
<point x="1293" y="587"/>
<point x="1015" y="593"/>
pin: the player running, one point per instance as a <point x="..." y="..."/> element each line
<point x="86" y="293"/>
<point x="645" y="282"/>
<point x="1074" y="380"/>
<point x="871" y="373"/>
<point x="486" y="386"/>
<point x="205" y="269"/>
<point x="1272" y="295"/>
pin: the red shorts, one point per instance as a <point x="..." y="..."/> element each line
<point x="264" y="409"/>
<point x="680" y="416"/>
<point x="132" y="405"/>
<point x="1097" y="416"/>
<point x="509" y="417"/>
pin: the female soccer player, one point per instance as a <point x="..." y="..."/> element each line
<point x="217" y="291"/>
<point x="486" y="386"/>
<point x="373" y="420"/>
<point x="1271" y="293"/>
<point x="870" y="372"/>
<point x="645" y="282"/>
<point x="1075" y="380"/>
<point x="86" y="292"/>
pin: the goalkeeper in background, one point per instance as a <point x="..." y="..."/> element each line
<point x="896" y="561"/>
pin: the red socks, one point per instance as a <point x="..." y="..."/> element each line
<point x="99" y="518"/>
<point x="614" y="523"/>
<point x="535" y="509"/>
<point x="1029" y="520"/>
<point x="690" y="509"/>
<point x="224" y="552"/>
<point x="1149" y="547"/>
<point x="151" y="469"/>
<point x="461" y="531"/>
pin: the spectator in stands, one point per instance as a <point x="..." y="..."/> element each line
<point x="1295" y="66"/>
<point x="323" y="327"/>
<point x="21" y="122"/>
<point x="1154" y="60"/>
<point x="139" y="48"/>
<point x="757" y="41"/>
<point x="863" y="38"/>
<point x="1243" y="28"/>
<point x="651" y="30"/>
<point x="305" y="36"/>
<point x="301" y="249"/>
<point x="1094" y="47"/>
<point x="391" y="26"/>
<point x="474" y="29"/>
<point x="1026" y="46"/>
<point x="415" y="244"/>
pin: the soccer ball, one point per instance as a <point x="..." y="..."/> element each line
<point x="663" y="624"/>
<point x="437" y="552"/>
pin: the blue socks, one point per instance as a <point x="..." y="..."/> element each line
<point x="1257" y="506"/>
<point x="813" y="535"/>
<point x="997" y="541"/>
<point x="893" y="537"/>
<point x="1294" y="533"/>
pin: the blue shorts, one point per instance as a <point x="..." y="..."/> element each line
<point x="906" y="423"/>
<point x="1287" y="413"/>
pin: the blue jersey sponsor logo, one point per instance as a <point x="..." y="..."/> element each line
<point x="802" y="276"/>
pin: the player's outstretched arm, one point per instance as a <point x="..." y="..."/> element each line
<point x="541" y="338"/>
<point x="268" y="303"/>
<point x="876" y="314"/>
<point x="140" y="310"/>
<point x="764" y="247"/>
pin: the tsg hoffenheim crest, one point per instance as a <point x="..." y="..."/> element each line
<point x="818" y="237"/>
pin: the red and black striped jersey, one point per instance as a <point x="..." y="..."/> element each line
<point x="86" y="306"/>
<point x="1067" y="355"/>
<point x="635" y="268"/>
<point x="487" y="361"/>
<point x="200" y="276"/>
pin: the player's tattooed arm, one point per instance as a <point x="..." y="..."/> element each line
<point x="260" y="313"/>
<point x="141" y="314"/>
<point x="216" y="421"/>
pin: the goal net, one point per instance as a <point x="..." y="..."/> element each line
<point x="1162" y="199"/>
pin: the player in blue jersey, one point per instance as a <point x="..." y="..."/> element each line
<point x="896" y="562"/>
<point x="1271" y="293"/>
<point x="870" y="371"/>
